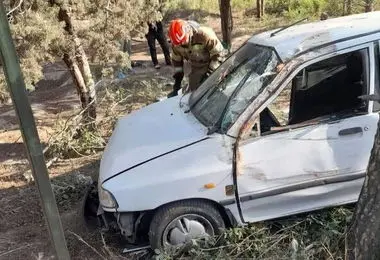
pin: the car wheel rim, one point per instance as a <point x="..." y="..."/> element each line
<point x="184" y="228"/>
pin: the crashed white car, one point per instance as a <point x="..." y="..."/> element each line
<point x="285" y="125"/>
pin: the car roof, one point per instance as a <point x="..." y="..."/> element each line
<point x="302" y="37"/>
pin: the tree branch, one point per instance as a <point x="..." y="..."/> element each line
<point x="15" y="8"/>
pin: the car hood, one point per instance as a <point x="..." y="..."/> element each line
<point x="144" y="134"/>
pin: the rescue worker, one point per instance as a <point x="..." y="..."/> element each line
<point x="197" y="44"/>
<point x="156" y="32"/>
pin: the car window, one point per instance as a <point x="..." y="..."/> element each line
<point x="261" y="76"/>
<point x="228" y="91"/>
<point x="315" y="76"/>
<point x="322" y="91"/>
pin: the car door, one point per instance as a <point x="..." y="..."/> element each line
<point x="315" y="163"/>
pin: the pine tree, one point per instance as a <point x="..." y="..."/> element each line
<point x="76" y="32"/>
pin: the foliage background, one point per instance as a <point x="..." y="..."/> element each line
<point x="103" y="25"/>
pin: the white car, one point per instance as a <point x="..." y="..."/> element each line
<point x="285" y="125"/>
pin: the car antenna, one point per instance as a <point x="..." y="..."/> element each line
<point x="286" y="27"/>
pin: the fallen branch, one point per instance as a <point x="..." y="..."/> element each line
<point x="65" y="127"/>
<point x="87" y="244"/>
<point x="272" y="246"/>
<point x="327" y="250"/>
<point x="105" y="245"/>
<point x="13" y="163"/>
<point x="137" y="40"/>
<point x="51" y="161"/>
<point x="14" y="250"/>
<point x="28" y="174"/>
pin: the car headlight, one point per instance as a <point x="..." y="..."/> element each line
<point x="106" y="198"/>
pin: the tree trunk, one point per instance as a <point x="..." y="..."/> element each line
<point x="344" y="7"/>
<point x="89" y="89"/>
<point x="258" y="8"/>
<point x="368" y="5"/>
<point x="77" y="77"/>
<point x="349" y="7"/>
<point x="80" y="69"/>
<point x="226" y="21"/>
<point x="363" y="238"/>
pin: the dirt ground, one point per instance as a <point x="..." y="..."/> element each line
<point x="24" y="234"/>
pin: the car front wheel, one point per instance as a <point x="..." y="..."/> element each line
<point x="177" y="224"/>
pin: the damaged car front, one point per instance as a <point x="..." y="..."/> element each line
<point x="172" y="160"/>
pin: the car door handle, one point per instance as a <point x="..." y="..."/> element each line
<point x="351" y="131"/>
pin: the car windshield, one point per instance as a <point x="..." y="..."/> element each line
<point x="229" y="90"/>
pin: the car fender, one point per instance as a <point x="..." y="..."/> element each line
<point x="180" y="175"/>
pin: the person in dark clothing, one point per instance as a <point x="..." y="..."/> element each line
<point x="156" y="32"/>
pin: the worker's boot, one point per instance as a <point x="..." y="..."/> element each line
<point x="176" y="88"/>
<point x="173" y="93"/>
<point x="177" y="84"/>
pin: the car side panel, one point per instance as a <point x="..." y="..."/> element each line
<point x="304" y="200"/>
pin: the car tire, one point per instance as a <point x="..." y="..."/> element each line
<point x="89" y="207"/>
<point x="190" y="213"/>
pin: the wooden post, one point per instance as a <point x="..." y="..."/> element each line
<point x="32" y="143"/>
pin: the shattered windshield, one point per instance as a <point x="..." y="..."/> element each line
<point x="233" y="86"/>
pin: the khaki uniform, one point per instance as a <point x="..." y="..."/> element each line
<point x="205" y="53"/>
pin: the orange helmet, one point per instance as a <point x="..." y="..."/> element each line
<point x="179" y="32"/>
